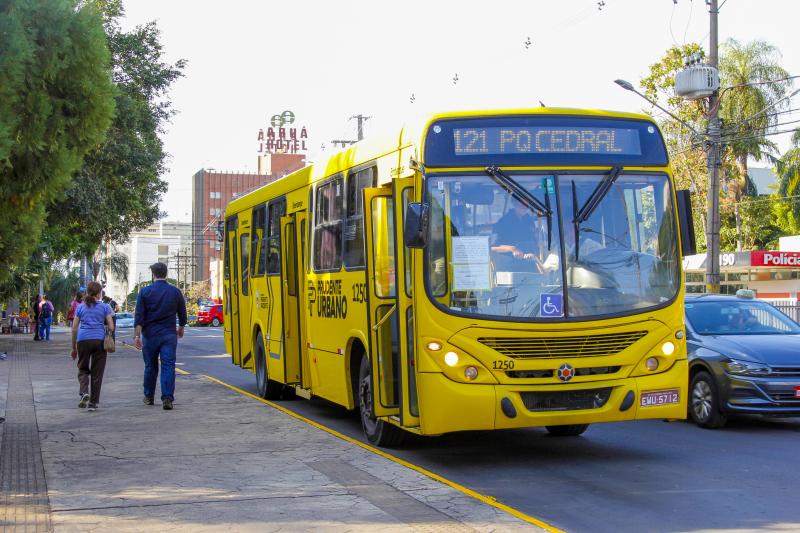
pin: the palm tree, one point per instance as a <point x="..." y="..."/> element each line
<point x="788" y="170"/>
<point x="748" y="108"/>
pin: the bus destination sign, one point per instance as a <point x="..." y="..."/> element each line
<point x="546" y="140"/>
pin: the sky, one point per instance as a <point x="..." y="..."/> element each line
<point x="327" y="61"/>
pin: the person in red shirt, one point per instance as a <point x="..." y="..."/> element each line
<point x="73" y="306"/>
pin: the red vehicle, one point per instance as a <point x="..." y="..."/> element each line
<point x="210" y="314"/>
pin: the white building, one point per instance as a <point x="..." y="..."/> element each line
<point x="167" y="242"/>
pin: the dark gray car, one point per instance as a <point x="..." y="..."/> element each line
<point x="744" y="357"/>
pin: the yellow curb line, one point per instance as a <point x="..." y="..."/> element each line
<point x="178" y="370"/>
<point x="488" y="500"/>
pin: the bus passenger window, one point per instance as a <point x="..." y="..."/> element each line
<point x="258" y="252"/>
<point x="328" y="226"/>
<point x="245" y="263"/>
<point x="273" y="241"/>
<point x="354" y="224"/>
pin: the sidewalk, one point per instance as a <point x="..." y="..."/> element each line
<point x="219" y="462"/>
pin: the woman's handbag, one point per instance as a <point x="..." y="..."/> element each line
<point x="108" y="343"/>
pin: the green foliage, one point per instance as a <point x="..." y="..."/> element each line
<point x="120" y="182"/>
<point x="56" y="103"/>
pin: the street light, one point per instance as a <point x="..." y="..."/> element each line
<point x="628" y="86"/>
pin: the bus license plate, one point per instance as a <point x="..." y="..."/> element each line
<point x="797" y="392"/>
<point x="657" y="398"/>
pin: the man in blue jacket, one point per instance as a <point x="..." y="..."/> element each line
<point x="156" y="308"/>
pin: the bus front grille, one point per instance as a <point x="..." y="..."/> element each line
<point x="566" y="400"/>
<point x="560" y="347"/>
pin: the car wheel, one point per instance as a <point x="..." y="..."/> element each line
<point x="377" y="431"/>
<point x="215" y="322"/>
<point x="570" y="430"/>
<point x="704" y="403"/>
<point x="267" y="388"/>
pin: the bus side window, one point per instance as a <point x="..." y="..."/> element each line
<point x="327" y="242"/>
<point x="354" y="223"/>
<point x="244" y="248"/>
<point x="273" y="240"/>
<point x="258" y="253"/>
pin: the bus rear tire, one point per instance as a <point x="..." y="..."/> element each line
<point x="378" y="432"/>
<point x="267" y="388"/>
<point x="570" y="430"/>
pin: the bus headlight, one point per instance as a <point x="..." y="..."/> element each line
<point x="667" y="348"/>
<point x="451" y="358"/>
<point x="651" y="364"/>
<point x="434" y="346"/>
<point x="470" y="373"/>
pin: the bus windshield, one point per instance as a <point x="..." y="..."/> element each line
<point x="492" y="253"/>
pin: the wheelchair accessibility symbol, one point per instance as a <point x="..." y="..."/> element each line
<point x="551" y="305"/>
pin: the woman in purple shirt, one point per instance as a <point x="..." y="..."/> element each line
<point x="88" y="332"/>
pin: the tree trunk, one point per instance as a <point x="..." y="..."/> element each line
<point x="738" y="194"/>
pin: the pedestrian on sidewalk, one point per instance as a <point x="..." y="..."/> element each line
<point x="45" y="318"/>
<point x="36" y="303"/>
<point x="73" y="305"/>
<point x="92" y="317"/>
<point x="157" y="306"/>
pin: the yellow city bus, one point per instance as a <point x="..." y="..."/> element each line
<point x="497" y="269"/>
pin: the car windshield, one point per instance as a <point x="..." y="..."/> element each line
<point x="736" y="317"/>
<point x="492" y="253"/>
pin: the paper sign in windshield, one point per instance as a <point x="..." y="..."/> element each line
<point x="470" y="262"/>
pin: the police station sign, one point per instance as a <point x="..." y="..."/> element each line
<point x="282" y="136"/>
<point x="775" y="259"/>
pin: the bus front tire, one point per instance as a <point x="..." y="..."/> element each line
<point x="570" y="430"/>
<point x="378" y="432"/>
<point x="267" y="388"/>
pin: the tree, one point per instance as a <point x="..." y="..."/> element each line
<point x="56" y="103"/>
<point x="120" y="181"/>
<point x="687" y="154"/>
<point x="748" y="109"/>
<point x="788" y="170"/>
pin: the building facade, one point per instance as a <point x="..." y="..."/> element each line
<point x="167" y="242"/>
<point x="211" y="192"/>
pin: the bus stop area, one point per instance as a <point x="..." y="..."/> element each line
<point x="219" y="461"/>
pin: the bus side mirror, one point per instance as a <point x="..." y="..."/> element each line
<point x="415" y="232"/>
<point x="686" y="221"/>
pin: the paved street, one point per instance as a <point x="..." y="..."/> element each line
<point x="643" y="476"/>
<point x="219" y="462"/>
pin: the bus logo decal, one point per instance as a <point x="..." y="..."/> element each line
<point x="566" y="372"/>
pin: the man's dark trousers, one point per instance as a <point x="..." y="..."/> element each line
<point x="154" y="348"/>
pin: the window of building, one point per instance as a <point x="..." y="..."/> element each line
<point x="163" y="260"/>
<point x="163" y="249"/>
<point x="327" y="244"/>
<point x="258" y="252"/>
<point x="276" y="210"/>
<point x="354" y="223"/>
<point x="215" y="195"/>
<point x="215" y="211"/>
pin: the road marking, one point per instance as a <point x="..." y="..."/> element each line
<point x="488" y="500"/>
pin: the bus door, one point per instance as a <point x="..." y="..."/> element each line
<point x="409" y="413"/>
<point x="292" y="340"/>
<point x="387" y="300"/>
<point x="232" y="296"/>
<point x="244" y="355"/>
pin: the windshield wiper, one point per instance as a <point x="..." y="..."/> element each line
<point x="599" y="192"/>
<point x="542" y="209"/>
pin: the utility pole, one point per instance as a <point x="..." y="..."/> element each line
<point x="714" y="162"/>
<point x="361" y="119"/>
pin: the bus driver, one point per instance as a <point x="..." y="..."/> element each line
<point x="515" y="243"/>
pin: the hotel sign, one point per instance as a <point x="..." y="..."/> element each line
<point x="282" y="136"/>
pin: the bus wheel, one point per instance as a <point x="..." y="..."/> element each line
<point x="377" y="431"/>
<point x="571" y="430"/>
<point x="267" y="388"/>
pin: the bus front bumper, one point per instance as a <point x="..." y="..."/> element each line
<point x="453" y="406"/>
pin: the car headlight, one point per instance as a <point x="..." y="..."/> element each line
<point x="745" y="368"/>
